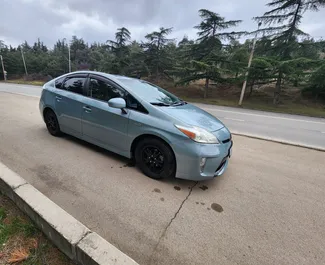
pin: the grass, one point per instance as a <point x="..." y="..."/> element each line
<point x="21" y="242"/>
<point x="288" y="107"/>
<point x="24" y="82"/>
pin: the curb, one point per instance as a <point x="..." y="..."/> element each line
<point x="69" y="235"/>
<point x="274" y="140"/>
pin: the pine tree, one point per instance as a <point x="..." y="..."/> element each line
<point x="282" y="29"/>
<point x="156" y="56"/>
<point x="120" y="50"/>
<point x="207" y="54"/>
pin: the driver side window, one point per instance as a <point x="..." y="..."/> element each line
<point x="103" y="90"/>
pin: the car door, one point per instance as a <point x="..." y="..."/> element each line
<point x="102" y="124"/>
<point x="68" y="103"/>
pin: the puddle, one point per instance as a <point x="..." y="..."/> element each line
<point x="156" y="190"/>
<point x="177" y="188"/>
<point x="204" y="187"/>
<point x="217" y="207"/>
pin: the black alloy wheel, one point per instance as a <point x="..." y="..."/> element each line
<point x="52" y="123"/>
<point x="155" y="158"/>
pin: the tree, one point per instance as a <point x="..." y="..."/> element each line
<point x="120" y="50"/>
<point x="156" y="56"/>
<point x="317" y="83"/>
<point x="282" y="29"/>
<point x="261" y="72"/>
<point x="213" y="24"/>
<point x="79" y="52"/>
<point x="2" y="45"/>
<point x="207" y="53"/>
<point x="238" y="56"/>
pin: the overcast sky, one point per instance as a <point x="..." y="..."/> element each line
<point x="97" y="20"/>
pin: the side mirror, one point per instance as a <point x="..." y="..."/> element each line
<point x="117" y="103"/>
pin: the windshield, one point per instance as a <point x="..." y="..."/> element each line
<point x="151" y="93"/>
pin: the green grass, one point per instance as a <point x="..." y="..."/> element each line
<point x="19" y="236"/>
<point x="23" y="82"/>
<point x="15" y="226"/>
<point x="288" y="107"/>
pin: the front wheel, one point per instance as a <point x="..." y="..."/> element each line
<point x="155" y="159"/>
<point x="52" y="123"/>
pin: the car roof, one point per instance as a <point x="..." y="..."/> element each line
<point x="113" y="77"/>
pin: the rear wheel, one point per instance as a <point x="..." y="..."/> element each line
<point x="155" y="158"/>
<point x="52" y="123"/>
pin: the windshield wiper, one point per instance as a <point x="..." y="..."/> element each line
<point x="180" y="103"/>
<point x="160" y="104"/>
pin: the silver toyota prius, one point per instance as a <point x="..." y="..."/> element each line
<point x="166" y="136"/>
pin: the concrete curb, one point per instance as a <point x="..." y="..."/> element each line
<point x="274" y="140"/>
<point x="73" y="238"/>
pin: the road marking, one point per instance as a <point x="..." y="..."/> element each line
<point x="265" y="116"/>
<point x="18" y="93"/>
<point x="232" y="119"/>
<point x="322" y="132"/>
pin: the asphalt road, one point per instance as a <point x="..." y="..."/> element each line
<point x="282" y="127"/>
<point x="267" y="209"/>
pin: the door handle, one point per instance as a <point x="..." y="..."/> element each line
<point x="58" y="98"/>
<point x="87" y="109"/>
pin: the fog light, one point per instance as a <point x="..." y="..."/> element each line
<point x="202" y="163"/>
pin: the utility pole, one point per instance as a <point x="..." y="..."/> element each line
<point x="248" y="67"/>
<point x="69" y="58"/>
<point x="3" y="69"/>
<point x="69" y="54"/>
<point x="22" y="55"/>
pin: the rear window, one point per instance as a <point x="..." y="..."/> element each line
<point x="58" y="82"/>
<point x="74" y="84"/>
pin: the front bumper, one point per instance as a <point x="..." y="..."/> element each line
<point x="188" y="159"/>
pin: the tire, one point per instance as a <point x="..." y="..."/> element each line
<point x="52" y="123"/>
<point x="155" y="159"/>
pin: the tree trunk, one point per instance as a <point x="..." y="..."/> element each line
<point x="206" y="87"/>
<point x="277" y="92"/>
<point x="157" y="74"/>
<point x="251" y="89"/>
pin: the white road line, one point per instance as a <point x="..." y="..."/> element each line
<point x="21" y="94"/>
<point x="232" y="119"/>
<point x="265" y="116"/>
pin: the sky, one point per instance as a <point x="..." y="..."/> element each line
<point x="97" y="20"/>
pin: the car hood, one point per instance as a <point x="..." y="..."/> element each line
<point x="194" y="116"/>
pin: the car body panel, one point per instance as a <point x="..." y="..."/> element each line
<point x="105" y="125"/>
<point x="115" y="130"/>
<point x="68" y="107"/>
<point x="194" y="116"/>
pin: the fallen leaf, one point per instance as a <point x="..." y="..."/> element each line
<point x="18" y="255"/>
<point x="33" y="243"/>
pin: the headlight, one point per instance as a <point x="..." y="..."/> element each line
<point x="198" y="134"/>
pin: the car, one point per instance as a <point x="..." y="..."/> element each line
<point x="164" y="135"/>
